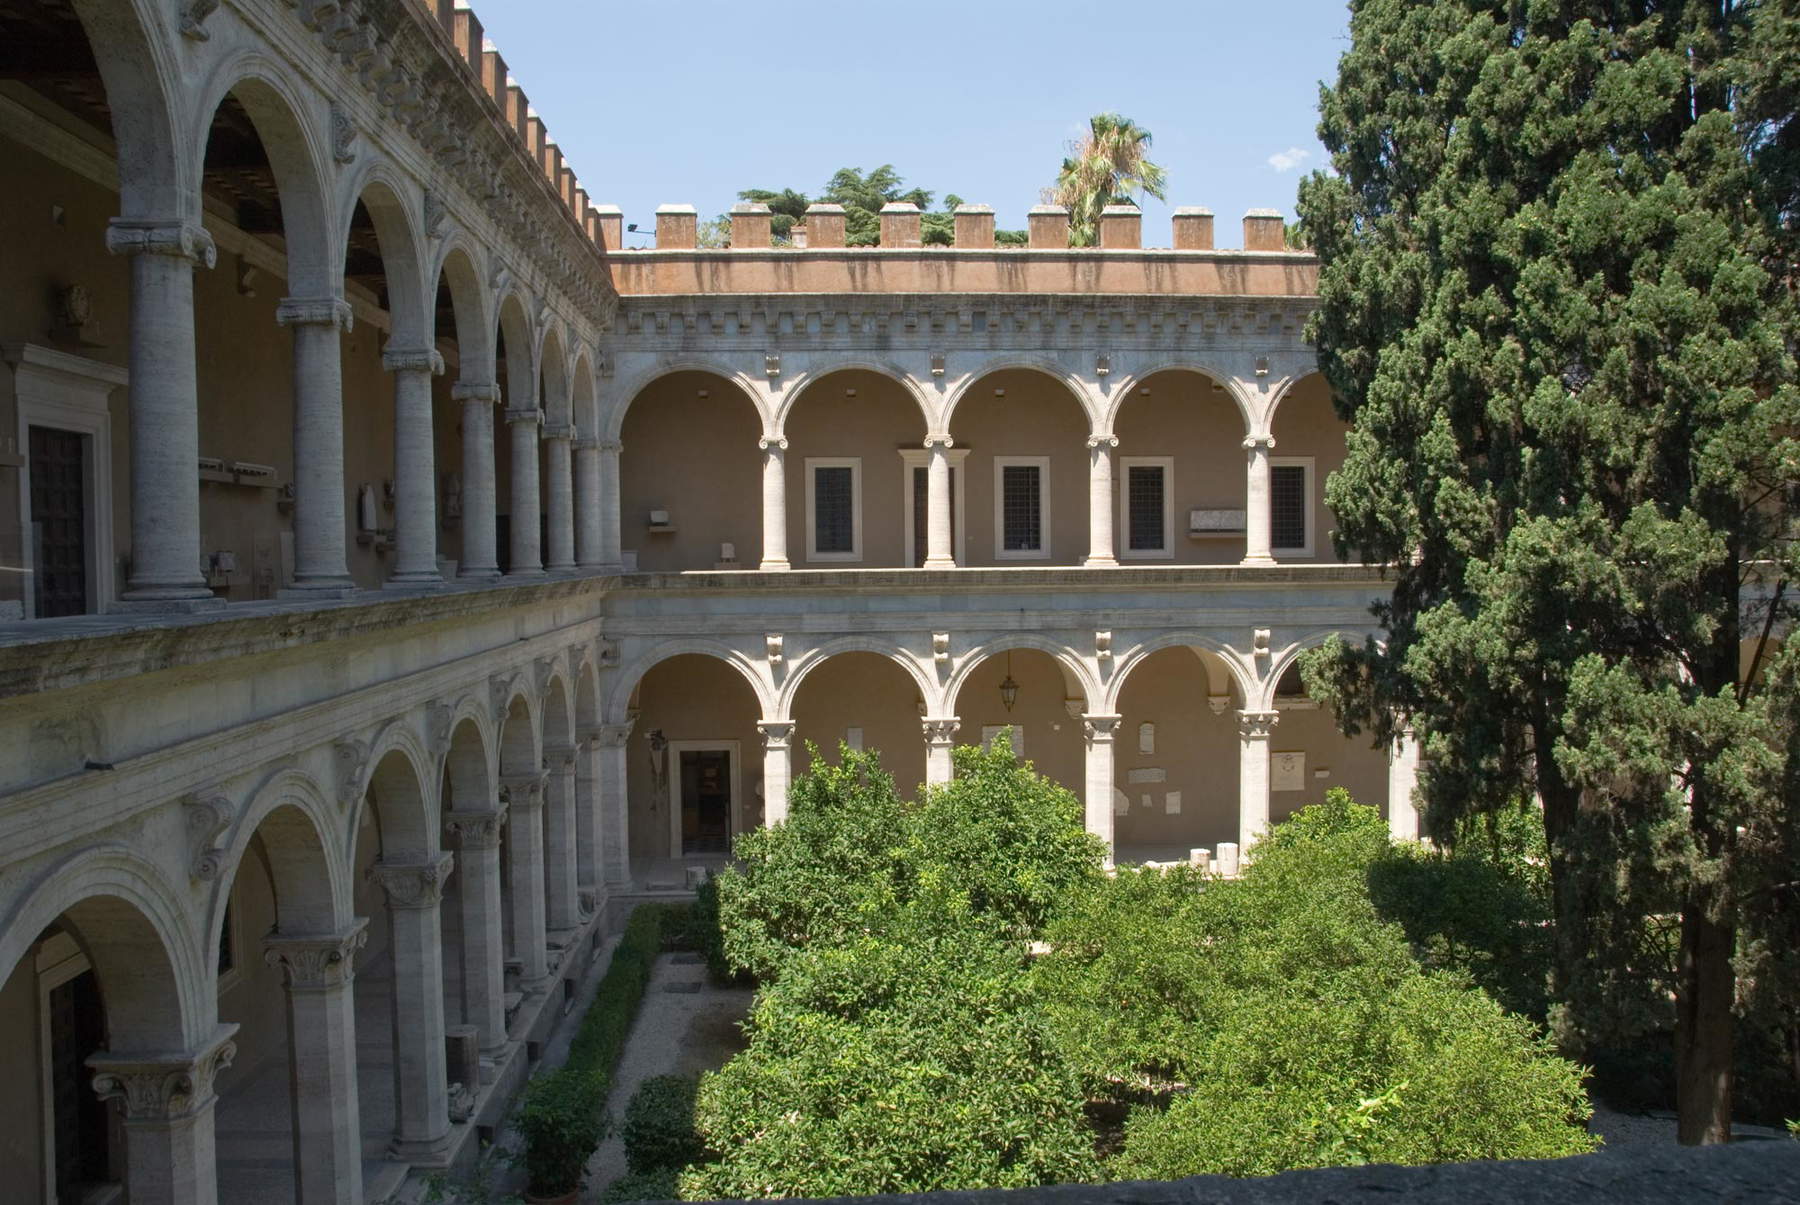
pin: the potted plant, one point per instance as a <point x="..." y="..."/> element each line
<point x="561" y="1121"/>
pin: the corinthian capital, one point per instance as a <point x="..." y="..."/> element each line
<point x="1257" y="725"/>
<point x="523" y="791"/>
<point x="413" y="884"/>
<point x="940" y="730"/>
<point x="183" y="240"/>
<point x="317" y="961"/>
<point x="163" y="1088"/>
<point x="476" y="830"/>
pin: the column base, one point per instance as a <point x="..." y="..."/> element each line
<point x="1258" y="561"/>
<point x="414" y="581"/>
<point x="1099" y="562"/>
<point x="432" y="1154"/>
<point x="538" y="572"/>
<point x="478" y="573"/>
<point x="946" y="563"/>
<point x="156" y="604"/>
<point x="323" y="592"/>
<point x="774" y="566"/>
<point x="565" y="567"/>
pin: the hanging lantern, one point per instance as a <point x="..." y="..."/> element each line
<point x="1009" y="690"/>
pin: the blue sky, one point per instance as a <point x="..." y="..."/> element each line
<point x="659" y="102"/>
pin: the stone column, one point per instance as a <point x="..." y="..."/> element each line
<point x="940" y="534"/>
<point x="415" y="472"/>
<point x="609" y="505"/>
<point x="421" y="1078"/>
<point x="524" y="796"/>
<point x="1100" y="784"/>
<point x="940" y="739"/>
<point x="527" y="557"/>
<point x="563" y="903"/>
<point x="319" y="562"/>
<point x="477" y="835"/>
<point x="1101" y="550"/>
<point x="778" y="768"/>
<point x="164" y="415"/>
<point x="479" y="550"/>
<point x="774" y="503"/>
<point x="588" y="550"/>
<point x="321" y="1011"/>
<point x="1254" y="730"/>
<point x="166" y="1107"/>
<point x="1403" y="778"/>
<point x="589" y="838"/>
<point x="1256" y="502"/>
<point x="615" y="806"/>
<point x="559" y="490"/>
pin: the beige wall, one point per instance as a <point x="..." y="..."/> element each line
<point x="254" y="997"/>
<point x="1306" y="425"/>
<point x="697" y="459"/>
<point x="1184" y="417"/>
<point x="872" y="426"/>
<point x="1196" y="750"/>
<point x="1349" y="762"/>
<point x="21" y="1069"/>
<point x="691" y="697"/>
<point x="1053" y="738"/>
<point x="1037" y="416"/>
<point x="867" y="691"/>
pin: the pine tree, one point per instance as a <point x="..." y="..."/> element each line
<point x="1553" y="307"/>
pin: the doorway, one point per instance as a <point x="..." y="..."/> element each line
<point x="703" y="815"/>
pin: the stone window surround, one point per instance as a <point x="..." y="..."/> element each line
<point x="854" y="464"/>
<point x="1305" y="462"/>
<point x="920" y="458"/>
<point x="70" y="393"/>
<point x="1123" y="509"/>
<point x="673" y="778"/>
<point x="1042" y="551"/>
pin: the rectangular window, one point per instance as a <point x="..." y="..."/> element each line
<point x="1146" y="505"/>
<point x="834" y="509"/>
<point x="1290" y="505"/>
<point x="1022" y="507"/>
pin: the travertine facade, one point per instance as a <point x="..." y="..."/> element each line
<point x="401" y="580"/>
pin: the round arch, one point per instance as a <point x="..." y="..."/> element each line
<point x="470" y="767"/>
<point x="807" y="662"/>
<point x="584" y="395"/>
<point x="1043" y="365"/>
<point x="559" y="710"/>
<point x="470" y="304"/>
<point x="521" y="735"/>
<point x="402" y="792"/>
<point x="796" y="389"/>
<point x="309" y="872"/>
<point x="1248" y="687"/>
<point x="294" y="150"/>
<point x="635" y="387"/>
<point x="125" y="914"/>
<point x="553" y="370"/>
<point x="1286" y="388"/>
<point x="388" y="200"/>
<point x="131" y="50"/>
<point x="513" y="323"/>
<point x="618" y="698"/>
<point x="1130" y="385"/>
<point x="1280" y="664"/>
<point x="1072" y="666"/>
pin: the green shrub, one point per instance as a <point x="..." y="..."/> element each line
<point x="706" y="936"/>
<point x="663" y="1184"/>
<point x="659" y="1125"/>
<point x="607" y="1022"/>
<point x="561" y="1121"/>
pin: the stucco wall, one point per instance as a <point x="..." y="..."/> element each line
<point x="867" y="691"/>
<point x="697" y="459"/>
<point x="1037" y="416"/>
<point x="871" y="426"/>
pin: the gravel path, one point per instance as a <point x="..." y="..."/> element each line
<point x="685" y="1026"/>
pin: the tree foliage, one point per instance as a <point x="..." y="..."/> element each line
<point x="1546" y="306"/>
<point x="1108" y="165"/>
<point x="862" y="194"/>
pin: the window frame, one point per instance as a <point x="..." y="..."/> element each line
<point x="854" y="464"/>
<point x="1042" y="551"/>
<point x="1300" y="462"/>
<point x="1122" y="515"/>
<point x="920" y="458"/>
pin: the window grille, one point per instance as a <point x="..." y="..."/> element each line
<point x="834" y="508"/>
<point x="1021" y="504"/>
<point x="1287" y="505"/>
<point x="1144" y="502"/>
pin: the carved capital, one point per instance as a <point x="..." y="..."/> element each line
<point x="775" y="733"/>
<point x="529" y="414"/>
<point x="315" y="311"/>
<point x="316" y="962"/>
<point x="940" y="730"/>
<point x="562" y="431"/>
<point x="476" y="830"/>
<point x="1100" y="728"/>
<point x="614" y="736"/>
<point x="522" y="792"/>
<point x="1257" y="725"/>
<point x="773" y="643"/>
<point x="181" y="240"/>
<point x="939" y="441"/>
<point x="209" y="816"/>
<point x="610" y="445"/>
<point x="940" y="648"/>
<point x="1253" y="442"/>
<point x="413" y="359"/>
<point x="772" y="443"/>
<point x="155" y="1088"/>
<point x="585" y="443"/>
<point x="609" y="652"/>
<point x="475" y="391"/>
<point x="1103" y="441"/>
<point x="413" y="884"/>
<point x="559" y="758"/>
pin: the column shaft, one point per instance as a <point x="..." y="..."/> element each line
<point x="319" y="532"/>
<point x="525" y="875"/>
<point x="1403" y="779"/>
<point x="481" y="912"/>
<point x="1101" y="551"/>
<point x="587" y="503"/>
<point x="164" y="413"/>
<point x="559" y="489"/>
<point x="615" y="807"/>
<point x="1257" y="534"/>
<point x="562" y="887"/>
<point x="610" y="543"/>
<point x="778" y="769"/>
<point x="940" y="536"/>
<point x="774" y="504"/>
<point x="415" y="472"/>
<point x="1254" y="730"/>
<point x="1100" y="778"/>
<point x="940" y="741"/>
<point x="321" y="1014"/>
<point x="527" y="557"/>
<point x="479" y="550"/>
<point x="421" y="1077"/>
<point x="589" y="834"/>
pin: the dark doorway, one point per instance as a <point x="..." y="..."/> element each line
<point x="705" y="801"/>
<point x="77" y="1030"/>
<point x="59" y="521"/>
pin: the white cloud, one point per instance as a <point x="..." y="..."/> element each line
<point x="1288" y="160"/>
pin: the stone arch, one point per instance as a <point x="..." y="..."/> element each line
<point x="587" y="694"/>
<point x="1045" y="365"/>
<point x="1248" y="687"/>
<point x="617" y="701"/>
<point x="135" y="928"/>
<point x="389" y="202"/>
<point x="402" y="793"/>
<point x="1280" y="662"/>
<point x="1075" y="673"/>
<point x="635" y="386"/>
<point x="808" y="661"/>
<point x="796" y="389"/>
<point x="513" y="321"/>
<point x="553" y="374"/>
<point x="1280" y="391"/>
<point x="471" y="304"/>
<point x="470" y="767"/>
<point x="521" y="742"/>
<point x="584" y="395"/>
<point x="1130" y="385"/>
<point x="295" y="152"/>
<point x="306" y="865"/>
<point x="558" y="710"/>
<point x="130" y="43"/>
